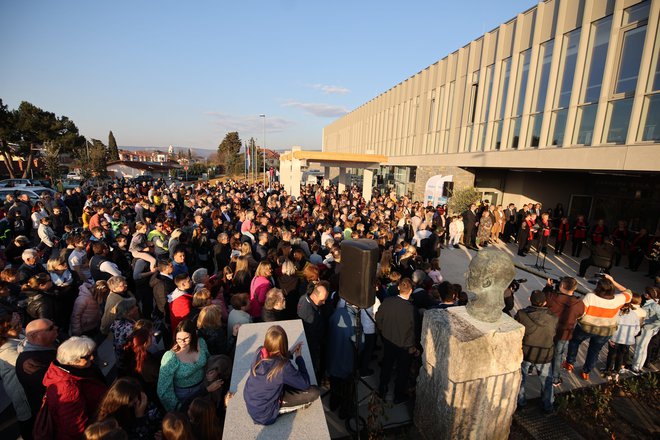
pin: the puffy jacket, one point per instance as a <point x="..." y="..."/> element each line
<point x="86" y="313"/>
<point x="180" y="303"/>
<point x="13" y="387"/>
<point x="567" y="308"/>
<point x="73" y="397"/>
<point x="538" y="342"/>
<point x="262" y="396"/>
<point x="258" y="289"/>
<point x="40" y="305"/>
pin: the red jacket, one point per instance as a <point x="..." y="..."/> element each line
<point x="180" y="304"/>
<point x="72" y="401"/>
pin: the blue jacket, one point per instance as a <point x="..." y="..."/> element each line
<point x="262" y="397"/>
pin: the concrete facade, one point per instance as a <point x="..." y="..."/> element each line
<point x="568" y="85"/>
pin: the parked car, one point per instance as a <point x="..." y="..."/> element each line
<point x="71" y="183"/>
<point x="33" y="192"/>
<point x="73" y="176"/>
<point x="143" y="178"/>
<point x="17" y="183"/>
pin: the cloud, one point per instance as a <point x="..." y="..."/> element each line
<point x="249" y="124"/>
<point x="331" y="90"/>
<point x="321" y="110"/>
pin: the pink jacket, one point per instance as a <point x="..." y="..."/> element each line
<point x="258" y="289"/>
<point x="86" y="313"/>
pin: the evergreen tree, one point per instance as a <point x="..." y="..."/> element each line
<point x="228" y="153"/>
<point x="113" y="151"/>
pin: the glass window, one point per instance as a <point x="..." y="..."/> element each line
<point x="571" y="42"/>
<point x="656" y="77"/>
<point x="524" y="76"/>
<point x="515" y="138"/>
<point x="601" y="36"/>
<point x="505" y="86"/>
<point x="652" y="124"/>
<point x="535" y="135"/>
<point x="489" y="93"/>
<point x="636" y="13"/>
<point x="631" y="56"/>
<point x="498" y="138"/>
<point x="560" y="127"/>
<point x="431" y="112"/>
<point x="619" y="120"/>
<point x="587" y="118"/>
<point x="546" y="50"/>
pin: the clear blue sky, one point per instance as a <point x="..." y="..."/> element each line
<point x="185" y="73"/>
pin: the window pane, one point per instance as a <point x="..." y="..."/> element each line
<point x="560" y="127"/>
<point x="619" y="120"/>
<point x="535" y="135"/>
<point x="656" y="77"/>
<point x="636" y="13"/>
<point x="652" y="124"/>
<point x="498" y="138"/>
<point x="598" y="57"/>
<point x="633" y="43"/>
<point x="505" y="86"/>
<point x="546" y="49"/>
<point x="571" y="41"/>
<point x="489" y="79"/>
<point x="524" y="75"/>
<point x="515" y="138"/>
<point x="587" y="120"/>
<point x="482" y="136"/>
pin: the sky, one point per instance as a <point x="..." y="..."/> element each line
<point x="185" y="73"/>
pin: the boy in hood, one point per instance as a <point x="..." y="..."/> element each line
<point x="538" y="347"/>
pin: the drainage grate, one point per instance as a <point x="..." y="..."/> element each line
<point x="541" y="426"/>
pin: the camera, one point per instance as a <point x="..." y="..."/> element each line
<point x="515" y="284"/>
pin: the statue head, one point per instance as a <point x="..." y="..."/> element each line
<point x="489" y="274"/>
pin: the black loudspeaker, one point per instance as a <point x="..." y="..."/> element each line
<point x="358" y="272"/>
<point x="448" y="189"/>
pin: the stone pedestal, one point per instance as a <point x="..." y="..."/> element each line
<point x="470" y="376"/>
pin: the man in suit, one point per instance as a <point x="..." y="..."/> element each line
<point x="470" y="221"/>
<point x="510" y="222"/>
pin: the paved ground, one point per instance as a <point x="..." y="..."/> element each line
<point x="454" y="263"/>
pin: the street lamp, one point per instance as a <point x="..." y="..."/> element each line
<point x="264" y="146"/>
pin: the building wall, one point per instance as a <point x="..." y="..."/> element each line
<point x="567" y="84"/>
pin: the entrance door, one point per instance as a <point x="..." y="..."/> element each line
<point x="580" y="205"/>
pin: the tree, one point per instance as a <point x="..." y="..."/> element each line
<point x="24" y="129"/>
<point x="228" y="153"/>
<point x="113" y="151"/>
<point x="51" y="155"/>
<point x="462" y="199"/>
<point x="98" y="156"/>
<point x="189" y="155"/>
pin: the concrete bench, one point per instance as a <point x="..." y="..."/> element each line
<point x="304" y="424"/>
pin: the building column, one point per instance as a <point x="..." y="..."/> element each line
<point x="367" y="184"/>
<point x="285" y="174"/>
<point x="296" y="174"/>
<point x="342" y="181"/>
<point x="326" y="177"/>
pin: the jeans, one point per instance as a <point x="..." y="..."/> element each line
<point x="641" y="349"/>
<point x="560" y="351"/>
<point x="547" y="392"/>
<point x="596" y="343"/>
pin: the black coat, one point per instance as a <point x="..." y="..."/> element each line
<point x="540" y="327"/>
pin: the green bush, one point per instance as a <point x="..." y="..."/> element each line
<point x="462" y="199"/>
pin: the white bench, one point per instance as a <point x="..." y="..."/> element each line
<point x="303" y="424"/>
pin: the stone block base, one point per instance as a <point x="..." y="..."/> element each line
<point x="470" y="377"/>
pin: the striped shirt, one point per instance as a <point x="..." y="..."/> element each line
<point x="600" y="314"/>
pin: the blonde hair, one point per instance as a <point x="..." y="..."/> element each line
<point x="210" y="317"/>
<point x="262" y="269"/>
<point x="242" y="263"/>
<point x="52" y="264"/>
<point x="276" y="345"/>
<point x="201" y="298"/>
<point x="288" y="268"/>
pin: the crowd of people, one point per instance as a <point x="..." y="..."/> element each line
<point x="169" y="273"/>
